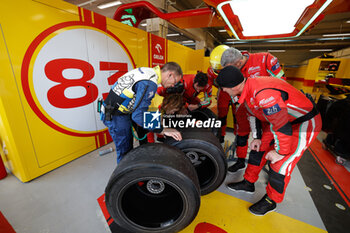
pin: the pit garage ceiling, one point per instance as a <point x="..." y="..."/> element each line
<point x="291" y="52"/>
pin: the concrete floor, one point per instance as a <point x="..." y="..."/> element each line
<point x="61" y="201"/>
<point x="64" y="200"/>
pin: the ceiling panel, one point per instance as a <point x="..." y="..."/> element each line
<point x="296" y="51"/>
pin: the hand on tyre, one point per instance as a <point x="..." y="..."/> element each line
<point x="255" y="144"/>
<point x="192" y="107"/>
<point x="183" y="111"/>
<point x="172" y="133"/>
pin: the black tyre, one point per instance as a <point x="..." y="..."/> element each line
<point x="203" y="114"/>
<point x="154" y="189"/>
<point x="206" y="154"/>
<point x="338" y="119"/>
<point x="323" y="105"/>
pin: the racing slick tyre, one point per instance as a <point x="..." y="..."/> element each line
<point x="206" y="154"/>
<point x="154" y="189"/>
<point x="205" y="114"/>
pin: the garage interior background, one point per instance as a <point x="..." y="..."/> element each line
<point x="37" y="133"/>
<point x="27" y="59"/>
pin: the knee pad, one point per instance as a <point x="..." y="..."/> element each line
<point x="255" y="157"/>
<point x="242" y="140"/>
<point x="276" y="181"/>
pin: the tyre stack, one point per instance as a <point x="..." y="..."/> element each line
<point x="156" y="188"/>
<point x="206" y="155"/>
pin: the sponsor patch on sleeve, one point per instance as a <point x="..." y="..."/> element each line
<point x="273" y="59"/>
<point x="272" y="110"/>
<point x="151" y="94"/>
<point x="280" y="74"/>
<point x="275" y="67"/>
<point x="266" y="102"/>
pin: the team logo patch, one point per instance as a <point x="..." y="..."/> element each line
<point x="151" y="120"/>
<point x="275" y="67"/>
<point x="272" y="110"/>
<point x="266" y="102"/>
<point x="150" y="95"/>
<point x="253" y="69"/>
<point x="273" y="60"/>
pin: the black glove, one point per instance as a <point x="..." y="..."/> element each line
<point x="178" y="88"/>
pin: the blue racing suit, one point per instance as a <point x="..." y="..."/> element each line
<point x="120" y="126"/>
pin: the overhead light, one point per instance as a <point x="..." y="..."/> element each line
<point x="278" y="41"/>
<point x="340" y="34"/>
<point x="231" y="39"/>
<point x="85" y="3"/>
<point x="223" y="30"/>
<point x="187" y="41"/>
<point x="334" y="38"/>
<point x="109" y="4"/>
<point x="143" y="24"/>
<point x="321" y="50"/>
<point x="236" y="42"/>
<point x="283" y="17"/>
<point x="276" y="50"/>
<point x="174" y="34"/>
<point x="324" y="6"/>
<point x="348" y="21"/>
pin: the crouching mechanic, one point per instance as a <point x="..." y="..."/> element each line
<point x="192" y="85"/>
<point x="290" y="122"/>
<point x="130" y="97"/>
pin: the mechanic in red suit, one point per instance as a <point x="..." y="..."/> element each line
<point x="251" y="66"/>
<point x="290" y="122"/>
<point x="223" y="99"/>
<point x="192" y="86"/>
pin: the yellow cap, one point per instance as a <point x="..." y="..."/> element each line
<point x="215" y="56"/>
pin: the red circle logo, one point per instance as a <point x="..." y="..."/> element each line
<point x="66" y="69"/>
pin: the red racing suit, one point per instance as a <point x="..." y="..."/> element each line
<point x="261" y="64"/>
<point x="290" y="122"/>
<point x="211" y="76"/>
<point x="190" y="94"/>
<point x="223" y="101"/>
<point x="258" y="64"/>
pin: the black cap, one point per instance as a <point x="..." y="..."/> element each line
<point x="229" y="76"/>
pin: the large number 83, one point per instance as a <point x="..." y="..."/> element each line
<point x="56" y="94"/>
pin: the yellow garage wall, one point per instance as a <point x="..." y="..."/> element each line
<point x="295" y="76"/>
<point x="304" y="77"/>
<point x="206" y="64"/>
<point x="21" y="130"/>
<point x="344" y="68"/>
<point x="30" y="146"/>
<point x="190" y="60"/>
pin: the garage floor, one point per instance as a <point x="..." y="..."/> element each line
<point x="65" y="200"/>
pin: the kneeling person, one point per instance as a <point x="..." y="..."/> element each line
<point x="290" y="122"/>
